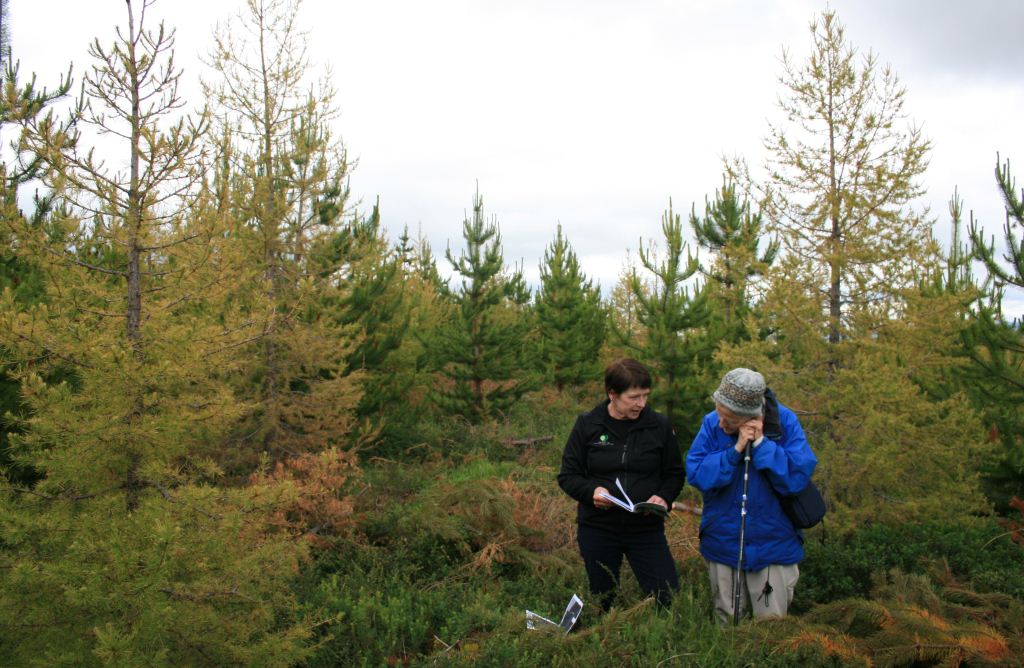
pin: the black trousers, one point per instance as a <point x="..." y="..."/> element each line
<point x="649" y="557"/>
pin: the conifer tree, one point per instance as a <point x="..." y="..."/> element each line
<point x="622" y="306"/>
<point x="855" y="340"/>
<point x="127" y="226"/>
<point x="889" y="448"/>
<point x="288" y="176"/>
<point x="995" y="343"/>
<point x="732" y="233"/>
<point x="411" y="300"/>
<point x="417" y="259"/>
<point x="22" y="277"/>
<point x="481" y="349"/>
<point x="842" y="173"/>
<point x="673" y="316"/>
<point x="375" y="300"/>
<point x="570" y="318"/>
<point x="1012" y="273"/>
<point x="122" y="552"/>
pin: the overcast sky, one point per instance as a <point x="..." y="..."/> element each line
<point x="594" y="113"/>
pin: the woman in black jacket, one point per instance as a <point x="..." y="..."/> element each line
<point x="622" y="442"/>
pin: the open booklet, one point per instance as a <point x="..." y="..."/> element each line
<point x="642" y="507"/>
<point x="572" y="612"/>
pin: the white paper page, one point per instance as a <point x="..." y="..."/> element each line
<point x="535" y="621"/>
<point x="572" y="613"/>
<point x="618" y="484"/>
<point x="616" y="501"/>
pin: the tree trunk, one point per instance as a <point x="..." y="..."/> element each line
<point x="133" y="224"/>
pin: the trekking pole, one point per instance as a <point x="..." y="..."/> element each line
<point x="737" y="582"/>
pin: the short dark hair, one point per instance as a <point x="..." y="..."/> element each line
<point x="625" y="373"/>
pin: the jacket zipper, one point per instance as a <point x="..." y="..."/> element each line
<point x="625" y="466"/>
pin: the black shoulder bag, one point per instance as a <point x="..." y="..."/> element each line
<point x="806" y="508"/>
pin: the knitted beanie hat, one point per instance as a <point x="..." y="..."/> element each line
<point x="742" y="392"/>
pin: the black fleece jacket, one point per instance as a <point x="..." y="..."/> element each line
<point x="643" y="454"/>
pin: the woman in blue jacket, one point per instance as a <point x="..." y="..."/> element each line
<point x="781" y="463"/>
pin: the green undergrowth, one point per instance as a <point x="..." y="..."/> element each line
<point x="452" y="546"/>
<point x="975" y="549"/>
<point x="383" y="610"/>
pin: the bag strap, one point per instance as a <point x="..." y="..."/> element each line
<point x="773" y="430"/>
<point x="772" y="421"/>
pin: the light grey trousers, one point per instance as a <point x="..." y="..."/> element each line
<point x="767" y="592"/>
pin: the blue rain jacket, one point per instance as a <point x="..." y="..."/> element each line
<point x="715" y="468"/>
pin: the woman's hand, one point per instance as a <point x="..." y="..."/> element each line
<point x="600" y="501"/>
<point x="749" y="432"/>
<point x="658" y="500"/>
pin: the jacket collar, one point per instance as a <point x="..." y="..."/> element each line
<point x="600" y="415"/>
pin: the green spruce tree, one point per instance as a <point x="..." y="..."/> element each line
<point x="995" y="342"/>
<point x="570" y="318"/>
<point x="673" y="317"/>
<point x="375" y="300"/>
<point x="481" y="348"/>
<point x="732" y="233"/>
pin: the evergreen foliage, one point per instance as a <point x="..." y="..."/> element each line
<point x="375" y="301"/>
<point x="842" y="173"/>
<point x="383" y="299"/>
<point x="975" y="549"/>
<point x="1013" y="272"/>
<point x="995" y="344"/>
<point x="623" y="307"/>
<point x="570" y="318"/>
<point x="21" y="275"/>
<point x="909" y="620"/>
<point x="418" y="260"/>
<point x="122" y="551"/>
<point x="888" y="449"/>
<point x="482" y="348"/>
<point x="282" y="178"/>
<point x="243" y="428"/>
<point x="855" y="342"/>
<point x="673" y="319"/>
<point x="732" y="233"/>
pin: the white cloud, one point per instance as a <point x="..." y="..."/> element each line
<point x="592" y="113"/>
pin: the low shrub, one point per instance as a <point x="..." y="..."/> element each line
<point x="976" y="549"/>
